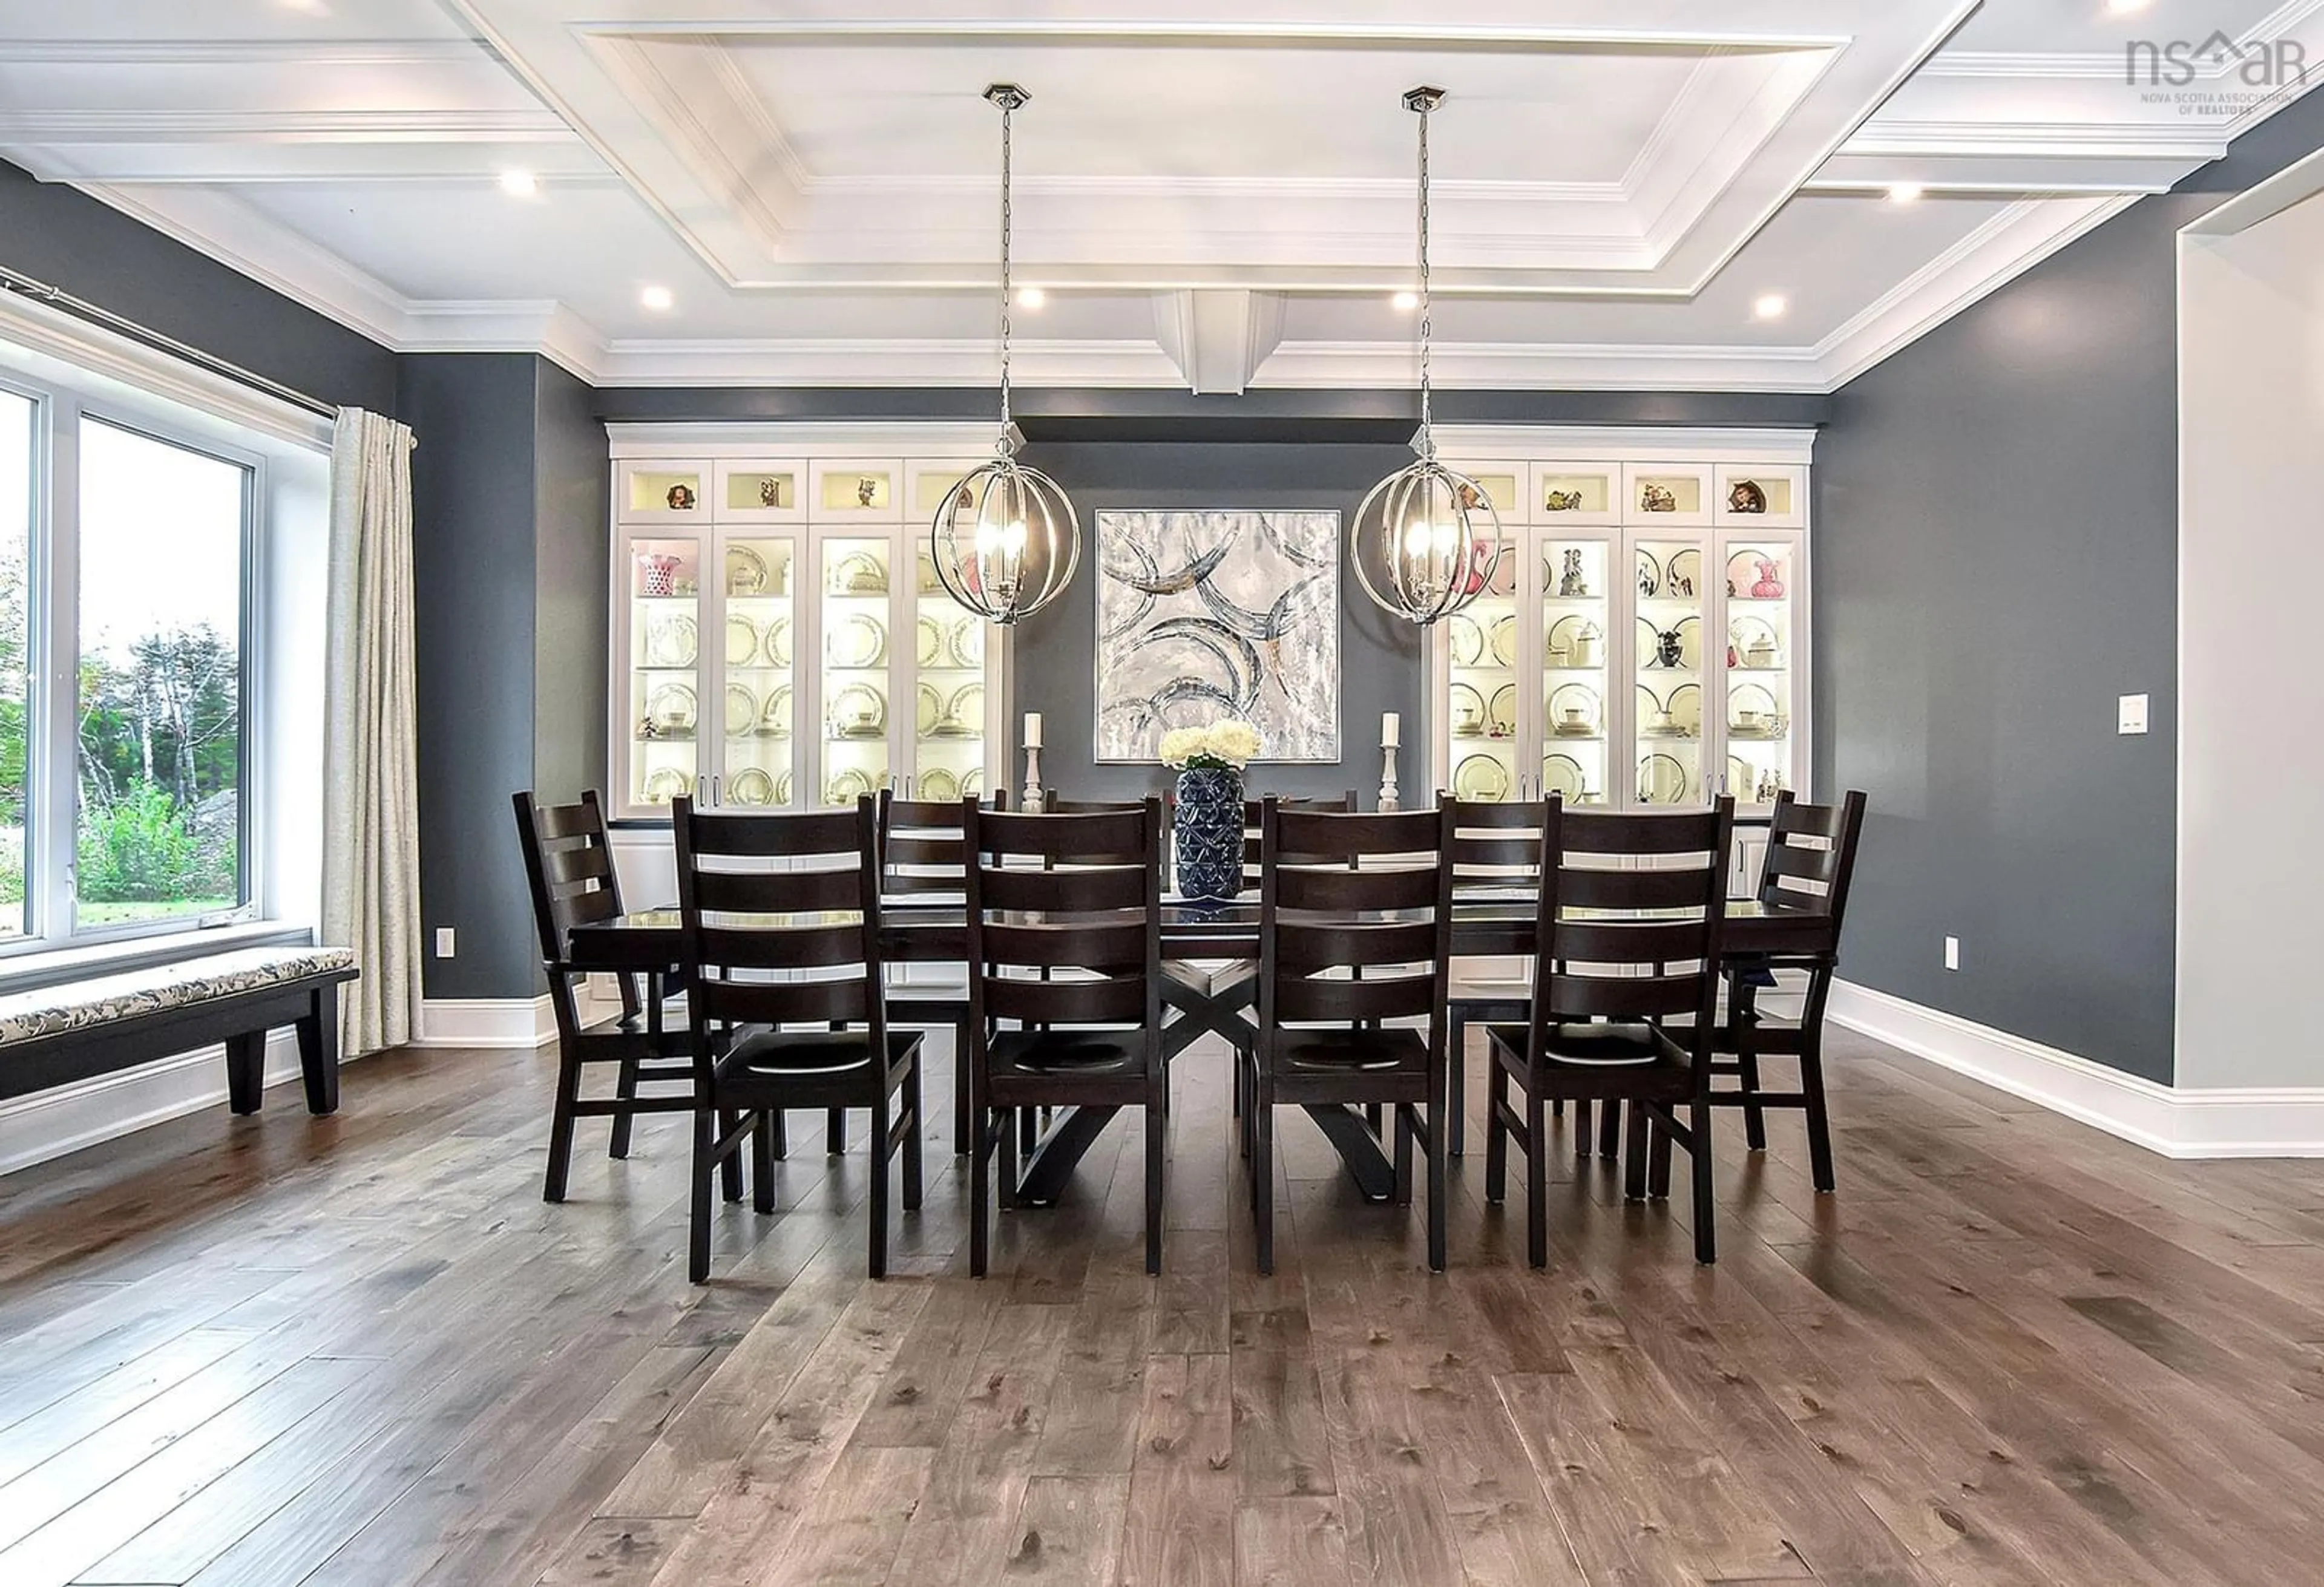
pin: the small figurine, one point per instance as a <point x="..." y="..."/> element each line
<point x="1669" y="648"/>
<point x="1571" y="582"/>
<point x="1681" y="584"/>
<point x="1562" y="501"/>
<point x="866" y="488"/>
<point x="649" y="729"/>
<point x="1654" y="498"/>
<point x="680" y="498"/>
<point x="771" y="491"/>
<point x="1745" y="496"/>
<point x="1471" y="496"/>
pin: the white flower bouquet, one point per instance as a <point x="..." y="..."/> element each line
<point x="1223" y="746"/>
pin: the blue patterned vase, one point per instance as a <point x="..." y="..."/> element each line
<point x="1207" y="833"/>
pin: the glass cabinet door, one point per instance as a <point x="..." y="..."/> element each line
<point x="948" y="706"/>
<point x="759" y="631"/>
<point x="1484" y="710"/>
<point x="663" y="670"/>
<point x="1668" y="640"/>
<point x="856" y="579"/>
<point x="1762" y="678"/>
<point x="1577" y="648"/>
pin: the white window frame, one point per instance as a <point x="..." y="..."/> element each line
<point x="52" y="608"/>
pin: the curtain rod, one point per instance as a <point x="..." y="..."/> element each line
<point x="58" y="298"/>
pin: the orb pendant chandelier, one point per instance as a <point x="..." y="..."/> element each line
<point x="1427" y="541"/>
<point x="1006" y="541"/>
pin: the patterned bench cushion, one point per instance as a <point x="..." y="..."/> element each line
<point x="78" y="1004"/>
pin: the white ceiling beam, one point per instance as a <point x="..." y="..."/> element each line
<point x="1218" y="338"/>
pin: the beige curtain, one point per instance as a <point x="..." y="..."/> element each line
<point x="371" y="786"/>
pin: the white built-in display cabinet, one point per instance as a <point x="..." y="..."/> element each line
<point x="1644" y="640"/>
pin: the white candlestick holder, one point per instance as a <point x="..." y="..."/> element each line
<point x="1032" y="778"/>
<point x="1388" y="793"/>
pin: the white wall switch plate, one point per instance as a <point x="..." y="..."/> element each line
<point x="443" y="941"/>
<point x="1952" y="953"/>
<point x="2130" y="714"/>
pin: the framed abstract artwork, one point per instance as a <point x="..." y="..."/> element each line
<point x="1203" y="615"/>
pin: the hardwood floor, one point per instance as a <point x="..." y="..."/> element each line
<point x="243" y="1351"/>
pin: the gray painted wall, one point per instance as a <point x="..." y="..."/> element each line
<point x="1380" y="659"/>
<point x="572" y="504"/>
<point x="473" y="510"/>
<point x="1996" y="543"/>
<point x="93" y="251"/>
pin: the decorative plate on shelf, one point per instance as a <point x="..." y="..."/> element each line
<point x="666" y="783"/>
<point x="671" y="641"/>
<point x="1468" y="712"/>
<point x="860" y="573"/>
<point x="1465" y="639"/>
<point x="856" y="640"/>
<point x="1683" y="574"/>
<point x="940" y="785"/>
<point x="963" y="713"/>
<point x="1756" y="572"/>
<point x="847" y="787"/>
<point x="1562" y="774"/>
<point x="741" y="640"/>
<point x="1559" y="644"/>
<point x="967" y="642"/>
<point x="1501" y="713"/>
<point x="858" y="712"/>
<point x="671" y="708"/>
<point x="932" y="641"/>
<point x="1741" y="780"/>
<point x="1685" y="708"/>
<point x="1579" y="697"/>
<point x="746" y="572"/>
<point x="972" y="782"/>
<point x="1662" y="780"/>
<point x="776" y="645"/>
<point x="1481" y="777"/>
<point x="741" y="711"/>
<point x="752" y="786"/>
<point x="1654" y="714"/>
<point x="775" y="715"/>
<point x="1650" y="574"/>
<point x="929" y="584"/>
<point x="1503" y="639"/>
<point x="1752" y="713"/>
<point x="931" y="708"/>
<point x="1749" y="636"/>
<point x="782" y="788"/>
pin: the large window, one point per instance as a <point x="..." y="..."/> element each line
<point x="125" y="747"/>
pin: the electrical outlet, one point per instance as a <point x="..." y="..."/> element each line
<point x="443" y="941"/>
<point x="2130" y="714"/>
<point x="1952" y="953"/>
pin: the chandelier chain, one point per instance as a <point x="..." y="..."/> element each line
<point x="1427" y="327"/>
<point x="1007" y="113"/>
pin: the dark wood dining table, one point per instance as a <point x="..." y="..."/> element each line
<point x="923" y="928"/>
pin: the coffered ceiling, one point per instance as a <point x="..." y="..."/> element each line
<point x="1211" y="193"/>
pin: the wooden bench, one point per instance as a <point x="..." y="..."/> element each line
<point x="59" y="1034"/>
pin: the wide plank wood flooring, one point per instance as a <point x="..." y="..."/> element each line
<point x="242" y="1352"/>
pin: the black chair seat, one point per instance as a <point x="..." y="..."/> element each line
<point x="1604" y="1057"/>
<point x="1358" y="1066"/>
<point x="810" y="1055"/>
<point x="1083" y="1053"/>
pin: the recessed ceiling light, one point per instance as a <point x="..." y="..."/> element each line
<point x="1030" y="296"/>
<point x="1405" y="302"/>
<point x="1770" y="306"/>
<point x="1904" y="192"/>
<point x="656" y="298"/>
<point x="520" y="184"/>
<point x="2125" y="7"/>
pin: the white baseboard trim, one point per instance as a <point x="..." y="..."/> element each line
<point x="53" y="1122"/>
<point x="2212" y="1122"/>
<point x="487" y="1022"/>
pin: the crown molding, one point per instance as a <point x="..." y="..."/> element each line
<point x="1544" y="366"/>
<point x="52" y="126"/>
<point x="245" y="51"/>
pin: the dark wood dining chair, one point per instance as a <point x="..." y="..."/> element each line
<point x="1625" y="989"/>
<point x="1811" y="861"/>
<point x="1355" y="938"/>
<point x="1064" y="959"/>
<point x="1495" y="846"/>
<point x="922" y="854"/>
<point x="782" y="928"/>
<point x="569" y="865"/>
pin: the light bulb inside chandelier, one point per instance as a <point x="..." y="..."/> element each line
<point x="1007" y="540"/>
<point x="1426" y="540"/>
